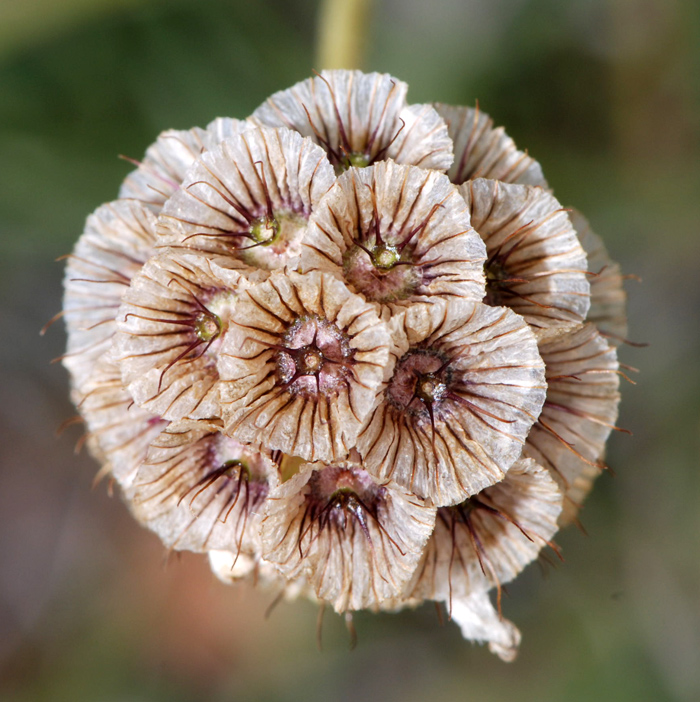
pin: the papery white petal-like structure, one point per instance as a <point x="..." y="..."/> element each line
<point x="479" y="621"/>
<point x="302" y="365"/>
<point x="249" y="198"/>
<point x="468" y="385"/>
<point x="396" y="234"/>
<point x="360" y="118"/>
<point x="119" y="238"/>
<point x="536" y="265"/>
<point x="356" y="541"/>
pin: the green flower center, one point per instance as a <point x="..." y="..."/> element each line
<point x="207" y="326"/>
<point x="385" y="257"/>
<point x="265" y="231"/>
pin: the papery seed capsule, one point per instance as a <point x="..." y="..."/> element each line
<point x="302" y="365"/>
<point x="118" y="239"/>
<point x="356" y="541"/>
<point x="396" y="234"/>
<point x="536" y="265"/>
<point x="199" y="489"/>
<point x="467" y="387"/>
<point x="482" y="151"/>
<point x="249" y="198"/>
<point x="170" y="326"/>
<point x="485" y="541"/>
<point x="360" y="118"/>
<point x="166" y="162"/>
<point x="579" y="413"/>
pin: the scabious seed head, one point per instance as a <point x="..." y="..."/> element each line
<point x="351" y="347"/>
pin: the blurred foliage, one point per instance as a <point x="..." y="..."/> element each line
<point x="606" y="94"/>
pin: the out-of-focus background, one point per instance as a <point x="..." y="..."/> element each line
<point x="605" y="94"/>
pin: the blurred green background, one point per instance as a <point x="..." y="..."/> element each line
<point x="606" y="95"/>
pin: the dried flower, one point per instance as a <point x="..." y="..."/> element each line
<point x="351" y="348"/>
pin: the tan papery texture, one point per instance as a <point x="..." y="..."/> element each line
<point x="355" y="555"/>
<point x="494" y="382"/>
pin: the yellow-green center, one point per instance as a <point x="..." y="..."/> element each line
<point x="265" y="231"/>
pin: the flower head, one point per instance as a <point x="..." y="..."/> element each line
<point x="352" y="348"/>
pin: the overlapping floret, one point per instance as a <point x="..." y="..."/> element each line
<point x="350" y="347"/>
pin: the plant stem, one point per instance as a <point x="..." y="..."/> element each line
<point x="342" y="32"/>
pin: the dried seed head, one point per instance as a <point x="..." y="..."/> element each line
<point x="580" y="410"/>
<point x="249" y="198"/>
<point x="360" y="118"/>
<point x="166" y="162"/>
<point x="118" y="239"/>
<point x="485" y="541"/>
<point x="170" y="328"/>
<point x="356" y="541"/>
<point x="396" y="234"/>
<point x="484" y="152"/>
<point x="608" y="309"/>
<point x="467" y="387"/>
<point x="199" y="490"/>
<point x="536" y="265"/>
<point x="302" y="364"/>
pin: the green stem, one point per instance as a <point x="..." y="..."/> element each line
<point x="342" y="33"/>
